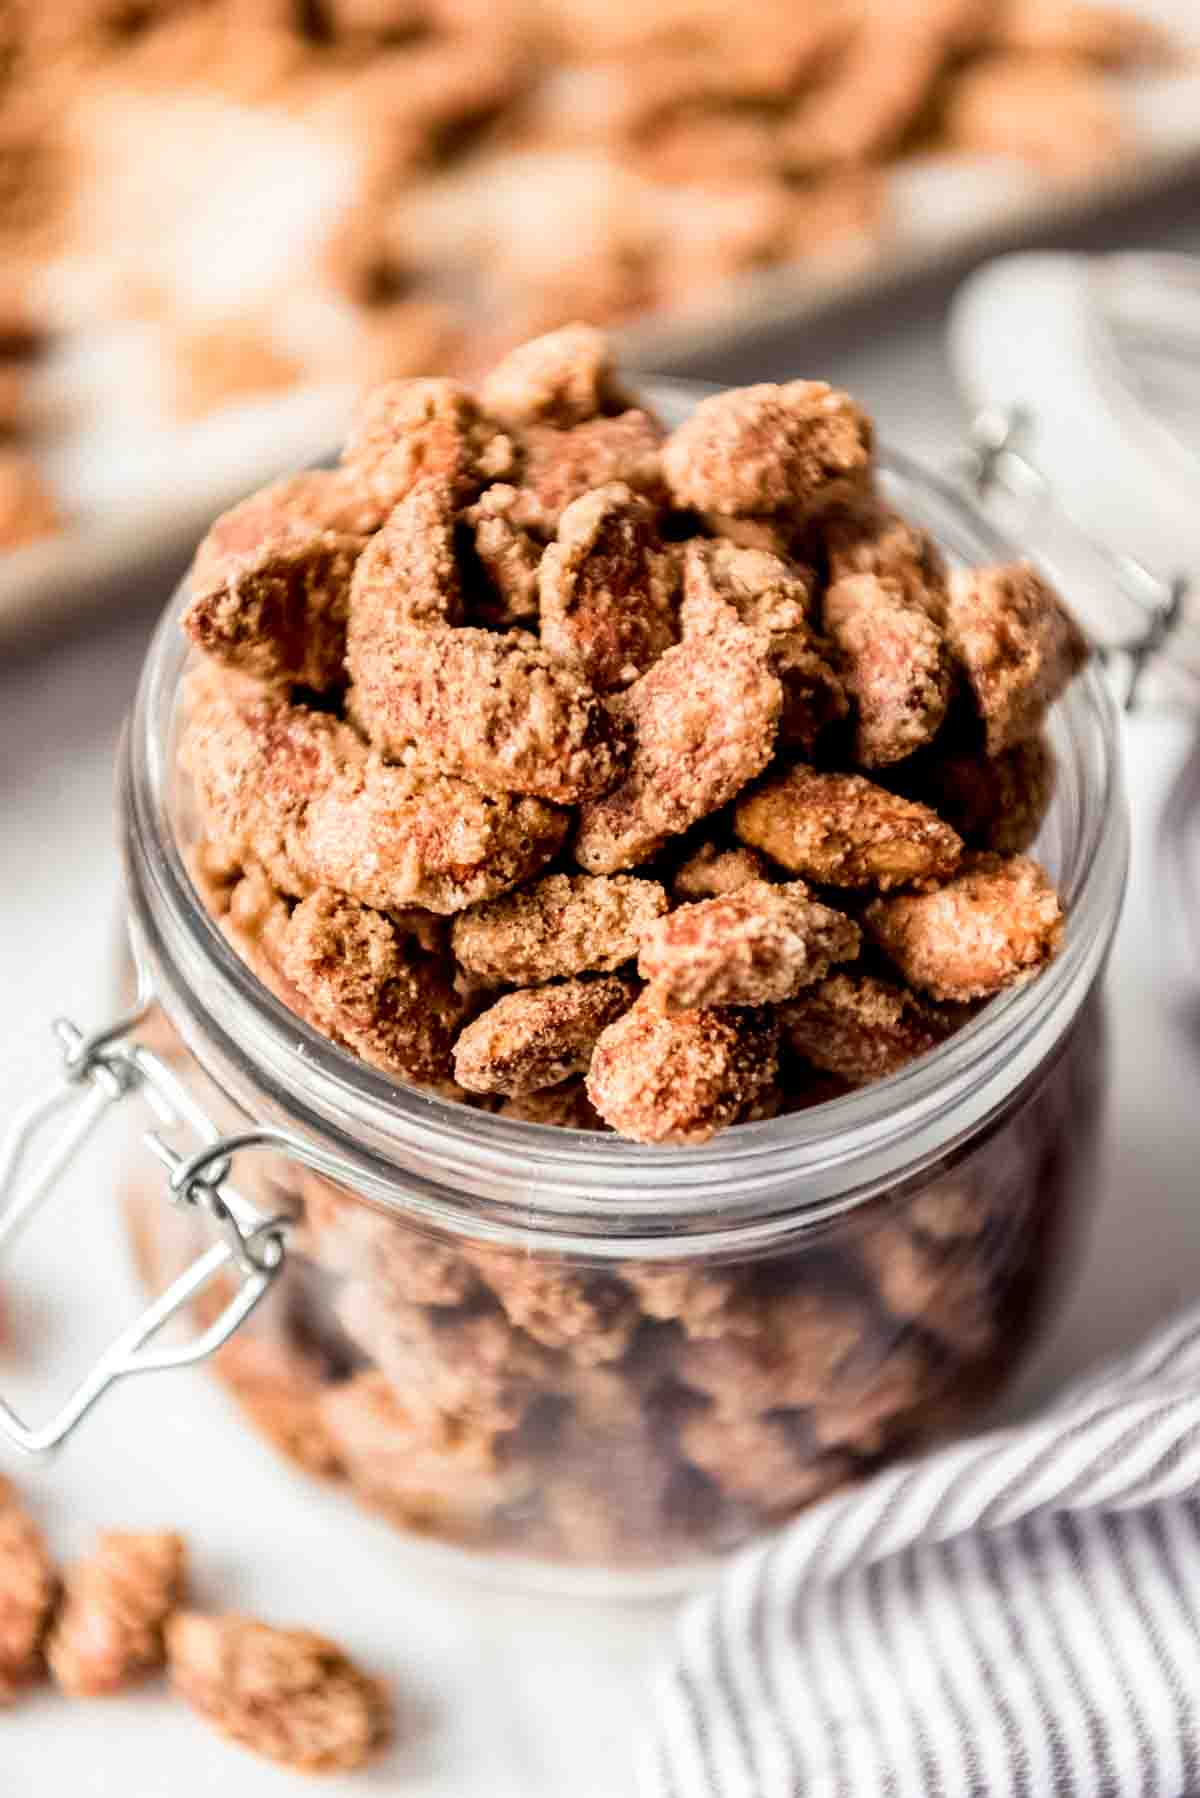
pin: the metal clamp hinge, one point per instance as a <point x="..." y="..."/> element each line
<point x="994" y="461"/>
<point x="100" y="1071"/>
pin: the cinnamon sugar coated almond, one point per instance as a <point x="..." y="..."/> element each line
<point x="597" y="702"/>
<point x="109" y="1631"/>
<point x="287" y="1694"/>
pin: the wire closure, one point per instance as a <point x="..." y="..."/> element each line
<point x="994" y="462"/>
<point x="99" y="1071"/>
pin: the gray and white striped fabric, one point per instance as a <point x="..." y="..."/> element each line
<point x="1018" y="1614"/>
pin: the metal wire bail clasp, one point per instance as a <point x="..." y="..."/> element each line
<point x="100" y="1071"/>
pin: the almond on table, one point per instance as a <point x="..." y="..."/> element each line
<point x="109" y="1631"/>
<point x="288" y="1694"/>
<point x="28" y="1589"/>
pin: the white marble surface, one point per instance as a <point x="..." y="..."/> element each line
<point x="502" y="1696"/>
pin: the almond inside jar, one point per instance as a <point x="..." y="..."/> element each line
<point x="647" y="783"/>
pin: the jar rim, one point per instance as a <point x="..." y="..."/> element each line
<point x="473" y="1172"/>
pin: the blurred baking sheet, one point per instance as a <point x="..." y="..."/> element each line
<point x="142" y="494"/>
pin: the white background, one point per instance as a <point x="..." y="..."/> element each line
<point x="499" y="1696"/>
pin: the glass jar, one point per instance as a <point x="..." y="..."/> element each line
<point x="586" y="1360"/>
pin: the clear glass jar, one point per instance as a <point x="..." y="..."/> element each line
<point x="596" y="1362"/>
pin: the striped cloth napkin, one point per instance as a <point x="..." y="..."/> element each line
<point x="1016" y="1615"/>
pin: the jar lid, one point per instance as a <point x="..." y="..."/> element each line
<point x="1083" y="376"/>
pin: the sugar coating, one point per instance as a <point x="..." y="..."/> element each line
<point x="303" y="505"/>
<point x="509" y="555"/>
<point x="564" y="378"/>
<point x="771" y="594"/>
<point x="859" y="1027"/>
<point x="679" y="1077"/>
<point x="995" y="923"/>
<point x="703" y="723"/>
<point x="295" y="791"/>
<point x="109" y="1631"/>
<point x="408" y="573"/>
<point x="496" y="709"/>
<point x="867" y="537"/>
<point x="842" y="830"/>
<point x="372" y="988"/>
<point x="539" y="1036"/>
<point x="768" y="449"/>
<point x="608" y="587"/>
<point x="278" y="612"/>
<point x="28" y="1588"/>
<point x="591" y="1315"/>
<point x="993" y="802"/>
<point x="1017" y="644"/>
<point x="715" y="868"/>
<point x="406" y="430"/>
<point x="566" y="1107"/>
<point x="558" y="466"/>
<point x="563" y="924"/>
<point x="288" y="1694"/>
<point x="893" y="660"/>
<point x="756" y="946"/>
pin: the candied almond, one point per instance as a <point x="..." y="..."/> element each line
<point x="768" y="449"/>
<point x="703" y="722"/>
<point x="294" y="790"/>
<point x="564" y="924"/>
<point x="842" y="830"/>
<point x="893" y="660"/>
<point x="566" y="1105"/>
<point x="256" y="764"/>
<point x="706" y="1301"/>
<point x="496" y="709"/>
<point x="395" y="837"/>
<point x="561" y="466"/>
<point x="860" y="1028"/>
<point x="287" y="1694"/>
<point x="756" y="946"/>
<point x="278" y="612"/>
<point x="28" y="1588"/>
<point x="304" y="505"/>
<point x="869" y="538"/>
<point x="539" y="1035"/>
<point x="714" y="869"/>
<point x="447" y="1474"/>
<point x="1017" y="644"/>
<point x="679" y="1077"/>
<point x="280" y="1392"/>
<point x="759" y="1458"/>
<point x="28" y="508"/>
<point x="388" y="999"/>
<point x="1061" y="117"/>
<point x="722" y="582"/>
<point x="1114" y="36"/>
<point x="939" y="1286"/>
<point x="408" y="573"/>
<point x="109" y="1632"/>
<point x="408" y="429"/>
<point x="608" y="587"/>
<point x="993" y="802"/>
<point x="509" y="556"/>
<point x="564" y="378"/>
<point x="587" y="1312"/>
<point x="796" y="1354"/>
<point x="876" y="93"/>
<point x="995" y="923"/>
